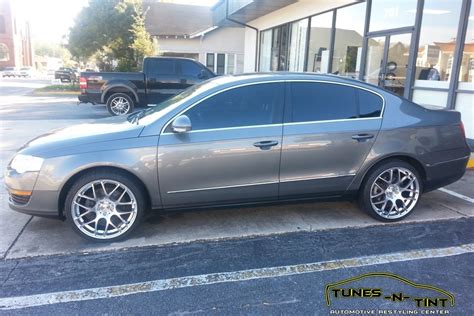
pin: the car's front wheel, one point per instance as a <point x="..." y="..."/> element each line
<point x="120" y="104"/>
<point x="105" y="206"/>
<point x="391" y="191"/>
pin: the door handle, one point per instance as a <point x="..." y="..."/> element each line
<point x="362" y="137"/>
<point x="266" y="144"/>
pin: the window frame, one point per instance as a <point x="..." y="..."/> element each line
<point x="288" y="119"/>
<point x="208" y="66"/>
<point x="224" y="65"/>
<point x="287" y="106"/>
<point x="167" y="129"/>
<point x="175" y="72"/>
<point x="3" y="24"/>
<point x="180" y="66"/>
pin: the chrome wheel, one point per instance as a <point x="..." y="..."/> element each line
<point x="104" y="209"/>
<point x="120" y="106"/>
<point x="394" y="193"/>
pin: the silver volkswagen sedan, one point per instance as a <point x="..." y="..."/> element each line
<point x="239" y="140"/>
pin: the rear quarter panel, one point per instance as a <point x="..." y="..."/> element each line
<point x="431" y="137"/>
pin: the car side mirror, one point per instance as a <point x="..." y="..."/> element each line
<point x="181" y="124"/>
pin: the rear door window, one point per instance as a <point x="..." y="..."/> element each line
<point x="314" y="101"/>
<point x="370" y="104"/>
<point x="160" y="66"/>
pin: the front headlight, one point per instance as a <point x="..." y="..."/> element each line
<point x="24" y="163"/>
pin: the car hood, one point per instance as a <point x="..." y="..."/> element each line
<point x="114" y="128"/>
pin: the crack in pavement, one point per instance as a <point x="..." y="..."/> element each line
<point x="5" y="255"/>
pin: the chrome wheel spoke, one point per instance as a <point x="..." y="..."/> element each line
<point x="86" y="197"/>
<point x="399" y="194"/>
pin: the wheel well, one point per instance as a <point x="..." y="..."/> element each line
<point x="70" y="182"/>
<point x="412" y="161"/>
<point x="119" y="90"/>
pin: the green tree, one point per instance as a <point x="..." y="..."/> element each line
<point x="113" y="31"/>
<point x="142" y="43"/>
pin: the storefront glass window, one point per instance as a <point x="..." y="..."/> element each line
<point x="296" y="53"/>
<point x="437" y="42"/>
<point x="320" y="38"/>
<point x="390" y="14"/>
<point x="275" y="56"/>
<point x="265" y="50"/>
<point x="465" y="96"/>
<point x="348" y="41"/>
<point x="467" y="65"/>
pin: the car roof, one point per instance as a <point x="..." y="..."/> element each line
<point x="231" y="80"/>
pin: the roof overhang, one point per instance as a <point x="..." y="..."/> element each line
<point x="244" y="11"/>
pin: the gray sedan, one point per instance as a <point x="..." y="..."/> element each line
<point x="241" y="140"/>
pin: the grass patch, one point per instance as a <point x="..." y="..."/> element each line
<point x="60" y="87"/>
<point x="72" y="89"/>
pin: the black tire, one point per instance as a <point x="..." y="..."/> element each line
<point x="368" y="185"/>
<point x="120" y="97"/>
<point x="113" y="176"/>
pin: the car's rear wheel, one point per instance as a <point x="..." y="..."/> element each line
<point x="105" y="206"/>
<point x="391" y="191"/>
<point x="120" y="104"/>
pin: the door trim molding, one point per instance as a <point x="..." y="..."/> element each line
<point x="222" y="187"/>
<point x="316" y="178"/>
<point x="262" y="183"/>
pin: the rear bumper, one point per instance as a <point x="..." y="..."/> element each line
<point x="444" y="173"/>
<point x="94" y="98"/>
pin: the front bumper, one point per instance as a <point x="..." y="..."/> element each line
<point x="23" y="198"/>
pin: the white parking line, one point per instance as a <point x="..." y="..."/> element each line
<point x="463" y="197"/>
<point x="10" y="303"/>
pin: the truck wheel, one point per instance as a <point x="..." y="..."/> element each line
<point x="120" y="104"/>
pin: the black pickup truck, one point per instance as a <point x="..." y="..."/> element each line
<point x="161" y="78"/>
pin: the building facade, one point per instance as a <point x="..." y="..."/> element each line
<point x="15" y="41"/>
<point x="187" y="31"/>
<point x="420" y="49"/>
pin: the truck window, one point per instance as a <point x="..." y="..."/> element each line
<point x="160" y="66"/>
<point x="190" y="69"/>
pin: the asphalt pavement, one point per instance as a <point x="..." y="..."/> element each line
<point x="255" y="260"/>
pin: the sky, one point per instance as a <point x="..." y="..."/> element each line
<point x="50" y="20"/>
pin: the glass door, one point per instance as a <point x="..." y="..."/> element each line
<point x="387" y="61"/>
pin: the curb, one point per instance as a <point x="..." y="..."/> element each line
<point x="470" y="163"/>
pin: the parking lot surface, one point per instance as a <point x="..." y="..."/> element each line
<point x="213" y="241"/>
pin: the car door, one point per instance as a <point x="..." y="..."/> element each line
<point x="330" y="129"/>
<point x="162" y="79"/>
<point x="232" y="153"/>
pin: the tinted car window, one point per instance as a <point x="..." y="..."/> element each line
<point x="370" y="104"/>
<point x="190" y="69"/>
<point x="260" y="104"/>
<point x="322" y="101"/>
<point x="161" y="67"/>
